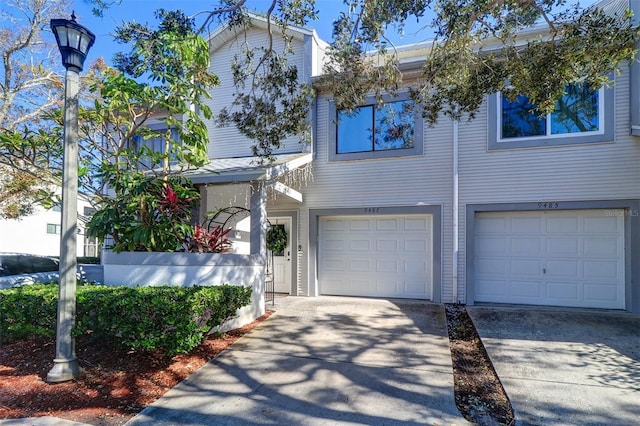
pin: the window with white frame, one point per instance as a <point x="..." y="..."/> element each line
<point x="375" y="131"/>
<point x="580" y="116"/>
<point x="53" y="228"/>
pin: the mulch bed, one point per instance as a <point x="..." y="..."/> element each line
<point x="478" y="391"/>
<point x="118" y="383"/>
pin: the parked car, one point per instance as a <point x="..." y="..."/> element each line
<point x="18" y="269"/>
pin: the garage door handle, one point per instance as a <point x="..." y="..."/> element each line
<point x="544" y="270"/>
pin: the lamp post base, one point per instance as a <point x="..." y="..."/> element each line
<point x="64" y="370"/>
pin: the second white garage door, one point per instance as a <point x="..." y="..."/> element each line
<point x="376" y="256"/>
<point x="559" y="258"/>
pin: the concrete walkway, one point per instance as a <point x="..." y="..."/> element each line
<point x="565" y="367"/>
<point x="324" y="361"/>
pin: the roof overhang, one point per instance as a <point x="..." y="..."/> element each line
<point x="247" y="169"/>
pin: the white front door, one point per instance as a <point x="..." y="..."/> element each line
<point x="282" y="259"/>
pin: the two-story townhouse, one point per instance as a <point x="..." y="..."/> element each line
<point x="505" y="208"/>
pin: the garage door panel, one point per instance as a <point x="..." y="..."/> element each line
<point x="416" y="225"/>
<point x="494" y="289"/>
<point x="601" y="225"/>
<point x="386" y="225"/>
<point x="491" y="226"/>
<point x="524" y="288"/>
<point x="601" y="291"/>
<point x="525" y="225"/>
<point x="416" y="246"/>
<point x="490" y="266"/>
<point x="601" y="269"/>
<point x="413" y="288"/>
<point x="567" y="292"/>
<point x="563" y="268"/>
<point x="525" y="246"/>
<point x="525" y="267"/>
<point x="359" y="225"/>
<point x="387" y="256"/>
<point x="387" y="245"/>
<point x="491" y="245"/>
<point x="334" y="244"/>
<point x="386" y="266"/>
<point x="360" y="265"/>
<point x="599" y="247"/>
<point x="335" y="265"/>
<point x="563" y="246"/>
<point x="360" y="245"/>
<point x="334" y="225"/>
<point x="576" y="258"/>
<point x="564" y="225"/>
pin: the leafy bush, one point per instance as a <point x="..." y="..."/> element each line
<point x="205" y="241"/>
<point x="146" y="214"/>
<point x="28" y="311"/>
<point x="171" y="319"/>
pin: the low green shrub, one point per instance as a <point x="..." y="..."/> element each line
<point x="167" y="318"/>
<point x="88" y="260"/>
<point x="28" y="311"/>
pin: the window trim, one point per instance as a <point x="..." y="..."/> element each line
<point x="156" y="127"/>
<point x="57" y="228"/>
<point x="605" y="134"/>
<point x="418" y="134"/>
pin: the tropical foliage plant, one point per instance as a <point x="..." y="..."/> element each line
<point x="148" y="214"/>
<point x="204" y="240"/>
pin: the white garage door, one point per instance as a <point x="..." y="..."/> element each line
<point x="376" y="256"/>
<point x="558" y="258"/>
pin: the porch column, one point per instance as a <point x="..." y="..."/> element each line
<point x="258" y="244"/>
<point x="258" y="237"/>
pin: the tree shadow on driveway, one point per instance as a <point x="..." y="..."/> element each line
<point x="565" y="366"/>
<point x="326" y="360"/>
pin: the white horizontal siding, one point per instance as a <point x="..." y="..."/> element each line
<point x="227" y="141"/>
<point x="574" y="172"/>
<point x="548" y="174"/>
<point x="403" y="181"/>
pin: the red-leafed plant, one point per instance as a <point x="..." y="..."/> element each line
<point x="205" y="241"/>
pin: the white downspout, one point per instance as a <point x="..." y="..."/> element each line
<point x="455" y="211"/>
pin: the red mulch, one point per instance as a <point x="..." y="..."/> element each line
<point x="116" y="383"/>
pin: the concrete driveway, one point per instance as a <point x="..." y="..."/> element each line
<point x="565" y="367"/>
<point x="324" y="361"/>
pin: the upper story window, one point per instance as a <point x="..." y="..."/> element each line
<point x="152" y="147"/>
<point x="580" y="116"/>
<point x="376" y="131"/>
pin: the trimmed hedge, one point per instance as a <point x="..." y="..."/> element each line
<point x="168" y="318"/>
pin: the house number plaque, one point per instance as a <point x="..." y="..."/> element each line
<point x="371" y="210"/>
<point x="549" y="205"/>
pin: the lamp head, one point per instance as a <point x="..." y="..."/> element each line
<point x="74" y="41"/>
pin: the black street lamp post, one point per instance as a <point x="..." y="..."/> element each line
<point x="74" y="41"/>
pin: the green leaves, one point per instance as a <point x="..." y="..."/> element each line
<point x="172" y="319"/>
<point x="146" y="214"/>
<point x="478" y="50"/>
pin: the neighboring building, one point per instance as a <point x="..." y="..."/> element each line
<point x="39" y="233"/>
<point x="500" y="209"/>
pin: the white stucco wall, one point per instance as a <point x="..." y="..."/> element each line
<point x="190" y="269"/>
<point x="29" y="234"/>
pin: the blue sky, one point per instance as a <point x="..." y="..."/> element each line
<point x="142" y="11"/>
